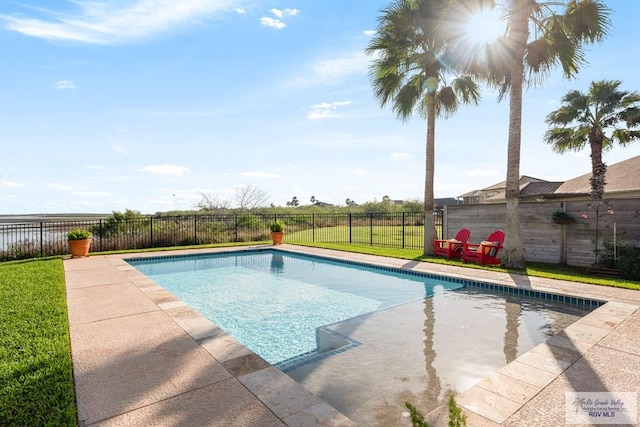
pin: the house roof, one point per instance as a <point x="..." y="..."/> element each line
<point x="539" y="188"/>
<point x="501" y="186"/>
<point x="471" y="194"/>
<point x="524" y="179"/>
<point x="621" y="176"/>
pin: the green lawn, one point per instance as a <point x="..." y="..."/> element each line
<point x="35" y="359"/>
<point x="376" y="235"/>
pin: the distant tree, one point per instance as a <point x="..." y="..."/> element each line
<point x="213" y="204"/>
<point x="293" y="202"/>
<point x="250" y="197"/>
<point x="314" y="200"/>
<point x="593" y="118"/>
<point x="378" y="207"/>
<point x="350" y="203"/>
<point x="386" y="199"/>
<point x="120" y="223"/>
<point x="414" y="205"/>
<point x="409" y="73"/>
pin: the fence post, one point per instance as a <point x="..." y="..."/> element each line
<point x="350" y="229"/>
<point x="195" y="229"/>
<point x="313" y="227"/>
<point x="101" y="235"/>
<point x="403" y="229"/>
<point x="151" y="230"/>
<point x="371" y="229"/>
<point x="41" y="243"/>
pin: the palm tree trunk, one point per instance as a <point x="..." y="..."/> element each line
<point x="598" y="169"/>
<point x="513" y="255"/>
<point x="429" y="222"/>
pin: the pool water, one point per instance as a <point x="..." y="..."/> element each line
<point x="273" y="302"/>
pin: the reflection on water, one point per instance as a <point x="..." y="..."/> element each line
<point x="421" y="351"/>
<point x="277" y="263"/>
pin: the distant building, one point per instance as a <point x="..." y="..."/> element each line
<point x="444" y="201"/>
<point x="622" y="178"/>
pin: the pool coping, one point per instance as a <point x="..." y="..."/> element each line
<point x="487" y="403"/>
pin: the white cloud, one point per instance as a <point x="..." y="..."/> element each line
<point x="65" y="85"/>
<point x="241" y="11"/>
<point x="107" y="22"/>
<point x="58" y="186"/>
<point x="273" y="23"/>
<point x="360" y="172"/>
<point x="165" y="169"/>
<point x="331" y="71"/>
<point x="260" y="174"/>
<point x="400" y="156"/>
<point x="9" y="184"/>
<point x="119" y="149"/>
<point x="325" y="110"/>
<point x="369" y="32"/>
<point x="282" y="12"/>
<point x="277" y="12"/>
<point x="348" y="64"/>
<point x="278" y="24"/>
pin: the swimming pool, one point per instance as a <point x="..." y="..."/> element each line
<point x="285" y="307"/>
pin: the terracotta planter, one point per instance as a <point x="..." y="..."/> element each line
<point x="79" y="248"/>
<point x="277" y="237"/>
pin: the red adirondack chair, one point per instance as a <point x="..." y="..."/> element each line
<point x="451" y="248"/>
<point x="485" y="252"/>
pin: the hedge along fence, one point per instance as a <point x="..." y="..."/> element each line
<point x="546" y="241"/>
<point x="38" y="239"/>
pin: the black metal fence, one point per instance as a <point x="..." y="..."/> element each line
<point x="39" y="239"/>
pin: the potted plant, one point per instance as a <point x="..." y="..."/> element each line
<point x="277" y="232"/>
<point x="79" y="242"/>
<point x="562" y="217"/>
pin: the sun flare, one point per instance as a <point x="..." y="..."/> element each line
<point x="485" y="26"/>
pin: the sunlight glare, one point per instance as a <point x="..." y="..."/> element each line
<point x="485" y="26"/>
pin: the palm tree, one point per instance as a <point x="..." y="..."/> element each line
<point x="408" y="73"/>
<point x="539" y="36"/>
<point x="585" y="118"/>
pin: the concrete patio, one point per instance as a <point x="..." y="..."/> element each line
<point x="143" y="357"/>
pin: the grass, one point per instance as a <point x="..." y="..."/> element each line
<point x="534" y="269"/>
<point x="36" y="386"/>
<point x="377" y="234"/>
<point x="36" y="383"/>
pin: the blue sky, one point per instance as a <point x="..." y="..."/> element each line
<point x="147" y="104"/>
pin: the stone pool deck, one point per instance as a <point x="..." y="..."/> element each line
<point x="142" y="357"/>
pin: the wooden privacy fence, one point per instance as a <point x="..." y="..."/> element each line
<point x="616" y="222"/>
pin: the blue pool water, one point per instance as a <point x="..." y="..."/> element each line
<point x="273" y="302"/>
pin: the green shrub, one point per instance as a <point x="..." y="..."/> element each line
<point x="249" y="221"/>
<point x="628" y="256"/>
<point x="277" y="227"/>
<point x="457" y="418"/>
<point x="417" y="419"/>
<point x="78" y="234"/>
